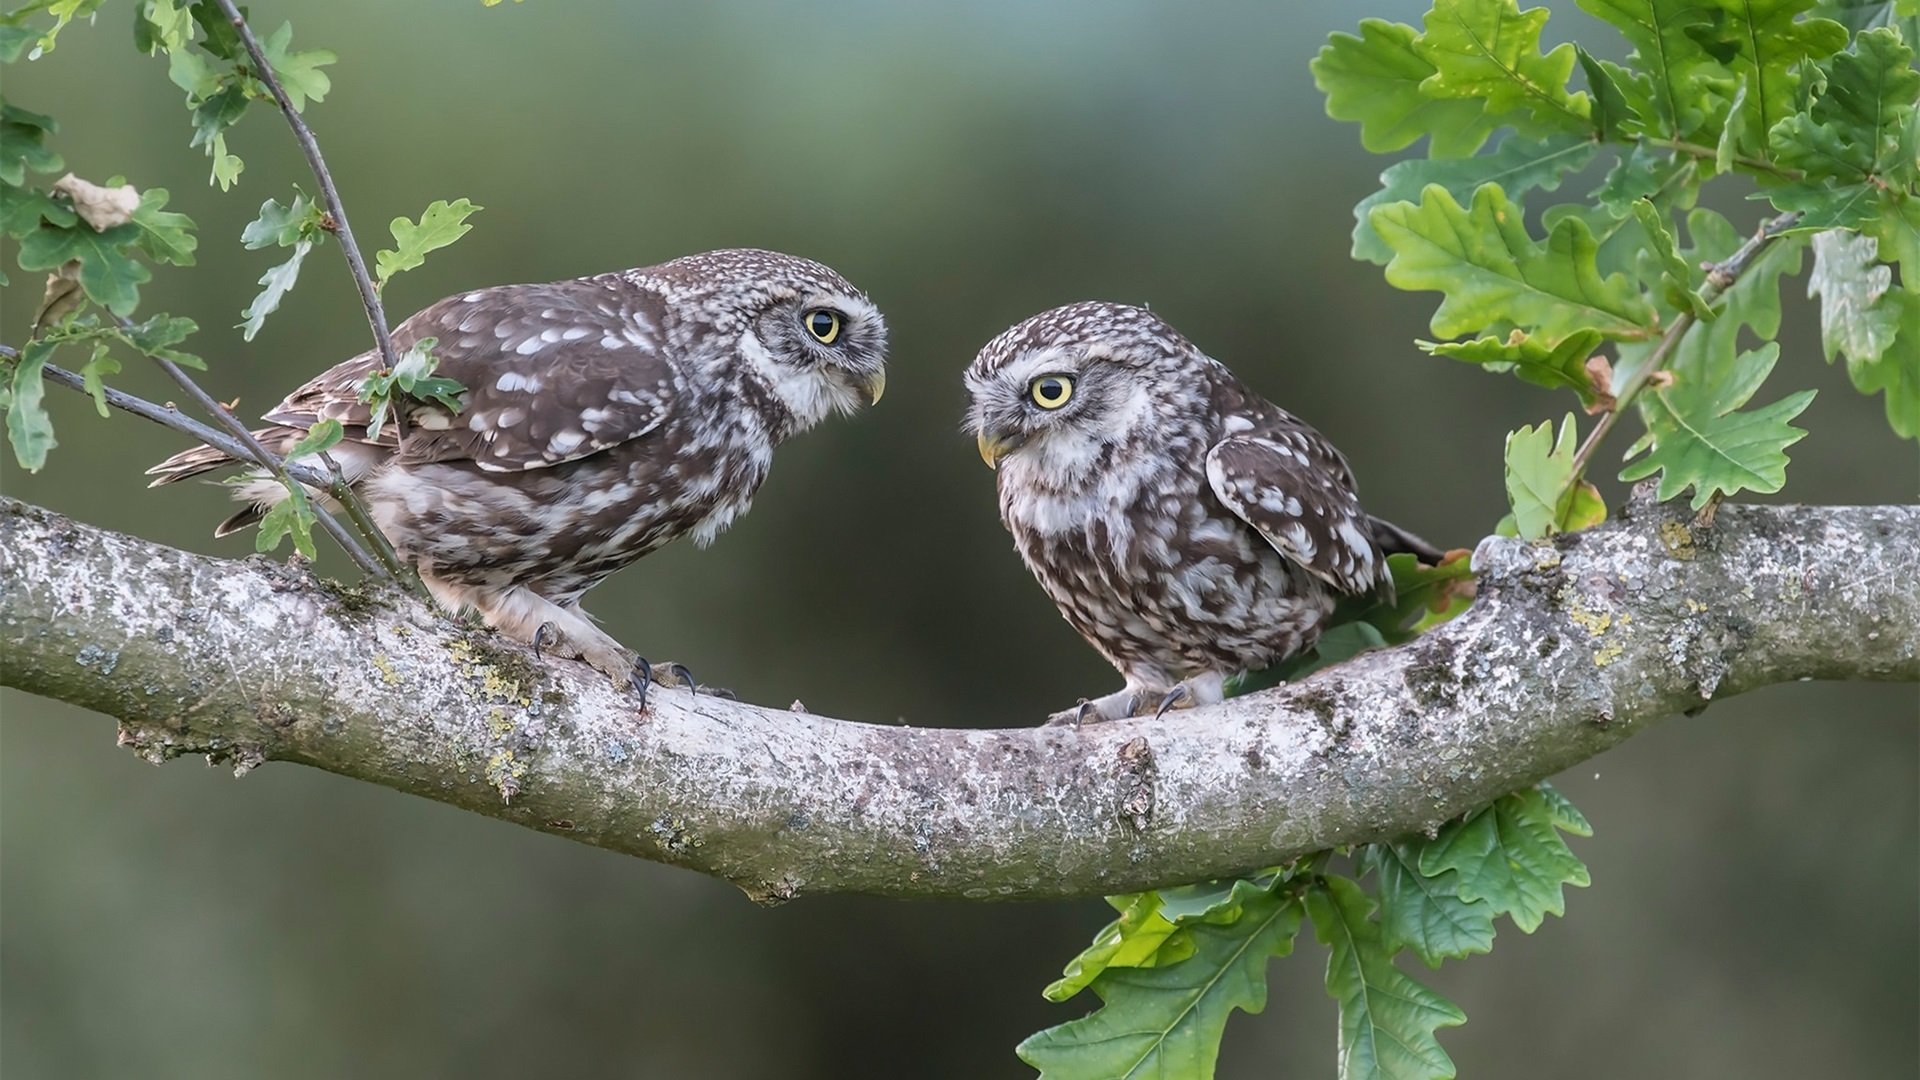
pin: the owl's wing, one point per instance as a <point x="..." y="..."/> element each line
<point x="553" y="373"/>
<point x="1297" y="493"/>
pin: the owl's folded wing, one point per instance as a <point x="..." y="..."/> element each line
<point x="1291" y="487"/>
<point x="552" y="372"/>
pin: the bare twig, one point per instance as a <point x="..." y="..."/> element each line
<point x="1720" y="277"/>
<point x="329" y="194"/>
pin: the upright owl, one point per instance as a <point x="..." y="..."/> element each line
<point x="602" y="417"/>
<point x="1186" y="527"/>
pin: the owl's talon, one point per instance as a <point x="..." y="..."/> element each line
<point x="1177" y="698"/>
<point x="542" y="636"/>
<point x="641" y="679"/>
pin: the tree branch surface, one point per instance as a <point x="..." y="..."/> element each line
<point x="1570" y="647"/>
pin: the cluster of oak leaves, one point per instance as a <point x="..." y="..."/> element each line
<point x="1809" y="109"/>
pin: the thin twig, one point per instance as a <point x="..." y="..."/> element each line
<point x="1720" y="278"/>
<point x="178" y="421"/>
<point x="356" y="510"/>
<point x="330" y="195"/>
<point x="1709" y="153"/>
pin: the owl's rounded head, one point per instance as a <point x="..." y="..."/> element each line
<point x="1060" y="391"/>
<point x="816" y="341"/>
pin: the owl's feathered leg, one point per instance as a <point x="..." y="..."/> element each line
<point x="561" y="630"/>
<point x="1140" y="697"/>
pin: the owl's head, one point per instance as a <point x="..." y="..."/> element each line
<point x="815" y="341"/>
<point x="1058" y="393"/>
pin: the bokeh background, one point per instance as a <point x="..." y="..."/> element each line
<point x="1756" y="869"/>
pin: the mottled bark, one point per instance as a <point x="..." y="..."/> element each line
<point x="1570" y="647"/>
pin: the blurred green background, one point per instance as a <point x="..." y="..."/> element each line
<point x="1756" y="869"/>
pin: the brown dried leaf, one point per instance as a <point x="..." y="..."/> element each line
<point x="100" y="207"/>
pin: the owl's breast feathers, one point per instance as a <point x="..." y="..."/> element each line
<point x="1219" y="547"/>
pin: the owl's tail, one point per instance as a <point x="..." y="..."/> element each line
<point x="257" y="490"/>
<point x="1393" y="540"/>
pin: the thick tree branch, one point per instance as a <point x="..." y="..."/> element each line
<point x="1571" y="646"/>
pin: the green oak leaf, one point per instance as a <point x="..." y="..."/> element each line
<point x="1424" y="596"/>
<point x="164" y="235"/>
<point x="1672" y="273"/>
<point x="1424" y="912"/>
<point x="1737" y="137"/>
<point x="1168" y="1020"/>
<point x="1897" y="228"/>
<point x="23" y="144"/>
<point x="1719" y="452"/>
<point x="274" y="286"/>
<point x="93" y="376"/>
<point x="441" y="224"/>
<point x="1491" y="271"/>
<point x="1387" y="1020"/>
<point x="1566" y="816"/>
<point x="1519" y="164"/>
<point x="1141" y="937"/>
<point x="63" y="12"/>
<point x="1896" y="371"/>
<point x="1375" y="80"/>
<point x="290" y="517"/>
<point x="108" y="272"/>
<point x="1696" y="434"/>
<point x="218" y="36"/>
<point x="1489" y="50"/>
<point x="299" y="72"/>
<point x="282" y="226"/>
<point x="161" y="26"/>
<point x="319" y="439"/>
<point x="1666" y="55"/>
<point x="1849" y="283"/>
<point x="1859" y="127"/>
<point x="1510" y="855"/>
<point x="22" y="209"/>
<point x="297" y="226"/>
<point x="158" y="335"/>
<point x="15" y="41"/>
<point x="1540" y="485"/>
<point x="1861" y="15"/>
<point x="1615" y="116"/>
<point x="29" y="428"/>
<point x="1558" y="366"/>
<point x="1767" y="41"/>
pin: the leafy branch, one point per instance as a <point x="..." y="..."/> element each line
<point x="329" y="193"/>
<point x="1719" y="278"/>
<point x="1815" y="109"/>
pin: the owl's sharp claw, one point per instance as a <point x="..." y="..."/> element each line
<point x="679" y="671"/>
<point x="542" y="636"/>
<point x="1177" y="698"/>
<point x="641" y="680"/>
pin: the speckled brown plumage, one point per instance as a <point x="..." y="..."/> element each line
<point x="1184" y="525"/>
<point x="602" y="417"/>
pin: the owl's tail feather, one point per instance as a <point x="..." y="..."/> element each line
<point x="1393" y="540"/>
<point x="240" y="519"/>
<point x="205" y="459"/>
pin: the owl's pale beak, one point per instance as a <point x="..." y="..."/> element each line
<point x="875" y="385"/>
<point x="994" y="446"/>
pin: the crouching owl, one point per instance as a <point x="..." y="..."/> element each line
<point x="602" y="417"/>
<point x="1186" y="527"/>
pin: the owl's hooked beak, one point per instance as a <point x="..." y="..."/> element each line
<point x="874" y="385"/>
<point x="996" y="445"/>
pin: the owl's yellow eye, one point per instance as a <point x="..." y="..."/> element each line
<point x="824" y="325"/>
<point x="1051" y="391"/>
